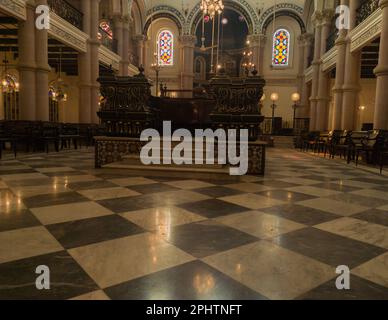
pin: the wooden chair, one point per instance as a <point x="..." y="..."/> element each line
<point x="370" y="146"/>
<point x="69" y="133"/>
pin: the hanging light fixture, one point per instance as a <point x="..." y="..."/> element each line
<point x="57" y="88"/>
<point x="9" y="83"/>
<point x="212" y="7"/>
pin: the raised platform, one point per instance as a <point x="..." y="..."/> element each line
<point x="113" y="150"/>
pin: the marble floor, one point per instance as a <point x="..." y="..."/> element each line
<point x="113" y="234"/>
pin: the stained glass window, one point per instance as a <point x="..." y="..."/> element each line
<point x="281" y="48"/>
<point x="166" y="48"/>
<point x="104" y="25"/>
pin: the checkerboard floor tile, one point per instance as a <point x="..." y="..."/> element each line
<point x="117" y="234"/>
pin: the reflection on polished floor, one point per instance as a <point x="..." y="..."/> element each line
<point x="110" y="234"/>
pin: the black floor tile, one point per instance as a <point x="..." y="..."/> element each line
<point x="212" y="208"/>
<point x="360" y="289"/>
<point x="328" y="247"/>
<point x="373" y="216"/>
<point x="88" y="185"/>
<point x="83" y="232"/>
<point x="301" y="214"/>
<point x="205" y="238"/>
<point x="67" y="278"/>
<point x="17" y="219"/>
<point x="218" y="191"/>
<point x="153" y="188"/>
<point x="191" y="281"/>
<point x="52" y="199"/>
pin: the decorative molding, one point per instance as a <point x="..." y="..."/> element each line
<point x="133" y="70"/>
<point x="16" y="8"/>
<point x="308" y="74"/>
<point x="168" y="12"/>
<point x="290" y="7"/>
<point x="329" y="59"/>
<point x="109" y="58"/>
<point x="366" y="31"/>
<point x="66" y="33"/>
<point x="242" y="6"/>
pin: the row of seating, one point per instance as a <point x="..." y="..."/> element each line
<point x="40" y="135"/>
<point x="347" y="144"/>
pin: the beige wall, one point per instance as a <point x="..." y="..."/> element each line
<point x="169" y="75"/>
<point x="68" y="111"/>
<point x="282" y="80"/>
<point x="367" y="99"/>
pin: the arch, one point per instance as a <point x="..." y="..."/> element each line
<point x="162" y="15"/>
<point x="164" y="11"/>
<point x="137" y="11"/>
<point x="240" y="6"/>
<point x="200" y="68"/>
<point x="282" y="9"/>
<point x="281" y="47"/>
<point x="284" y="13"/>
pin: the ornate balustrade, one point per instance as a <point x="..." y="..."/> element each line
<point x="66" y="11"/>
<point x="237" y="103"/>
<point x="366" y="8"/>
<point x="126" y="107"/>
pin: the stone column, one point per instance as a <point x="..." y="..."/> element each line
<point x="254" y="45"/>
<point x="316" y="66"/>
<point x="260" y="68"/>
<point x="94" y="59"/>
<point x="187" y="68"/>
<point x="351" y="86"/>
<point x="140" y="42"/>
<point x="381" y="72"/>
<point x="340" y="43"/>
<point x="27" y="65"/>
<point x="304" y="96"/>
<point x="125" y="56"/>
<point x="42" y="71"/>
<point x="300" y="77"/>
<point x="84" y="102"/>
<point x="118" y="36"/>
<point x="323" y="97"/>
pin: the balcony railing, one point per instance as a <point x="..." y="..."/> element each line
<point x="107" y="40"/>
<point x="66" y="11"/>
<point x="366" y="8"/>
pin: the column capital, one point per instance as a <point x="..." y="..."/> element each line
<point x="140" y="37"/>
<point x="327" y="17"/>
<point x="306" y="38"/>
<point x="188" y="40"/>
<point x="256" y="39"/>
<point x="316" y="19"/>
<point x="383" y="3"/>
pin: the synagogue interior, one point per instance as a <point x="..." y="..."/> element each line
<point x="194" y="150"/>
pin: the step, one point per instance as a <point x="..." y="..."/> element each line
<point x="136" y="157"/>
<point x="209" y="169"/>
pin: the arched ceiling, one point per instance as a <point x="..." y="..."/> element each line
<point x="185" y="13"/>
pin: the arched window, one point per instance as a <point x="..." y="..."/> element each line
<point x="281" y="48"/>
<point x="166" y="48"/>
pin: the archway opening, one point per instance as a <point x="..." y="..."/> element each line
<point x="232" y="30"/>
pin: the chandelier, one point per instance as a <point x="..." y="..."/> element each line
<point x="57" y="88"/>
<point x="212" y="7"/>
<point x="9" y="83"/>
